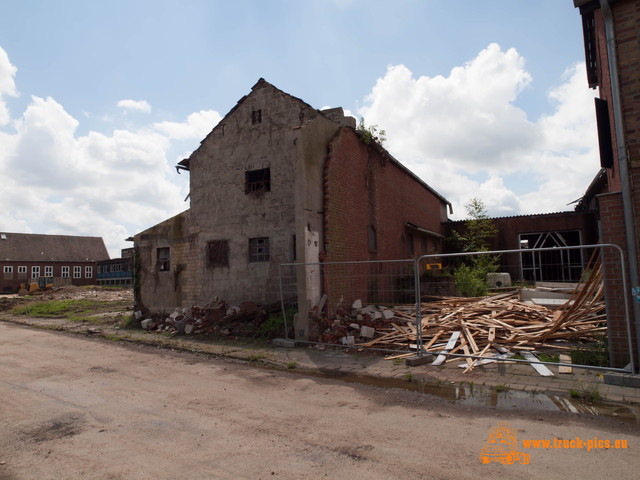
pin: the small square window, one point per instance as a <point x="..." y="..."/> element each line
<point x="65" y="272"/>
<point x="218" y="253"/>
<point x="48" y="271"/>
<point x="22" y="269"/>
<point x="35" y="272"/>
<point x="257" y="181"/>
<point x="8" y="269"/>
<point x="77" y="271"/>
<point x="163" y="256"/>
<point x="259" y="249"/>
<point x="88" y="272"/>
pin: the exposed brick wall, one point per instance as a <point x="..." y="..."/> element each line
<point x="613" y="231"/>
<point x="363" y="189"/>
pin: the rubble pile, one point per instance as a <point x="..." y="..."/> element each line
<point x="217" y="317"/>
<point x="359" y="323"/>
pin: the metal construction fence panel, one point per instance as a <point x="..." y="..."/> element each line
<point x="572" y="301"/>
<point x="345" y="294"/>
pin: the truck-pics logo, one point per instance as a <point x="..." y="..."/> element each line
<point x="502" y="446"/>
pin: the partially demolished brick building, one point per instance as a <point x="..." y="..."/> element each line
<point x="277" y="181"/>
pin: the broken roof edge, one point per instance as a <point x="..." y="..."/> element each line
<point x="385" y="153"/>
<point x="261" y="83"/>
<point x="146" y="230"/>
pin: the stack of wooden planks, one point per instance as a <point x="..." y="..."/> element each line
<point x="496" y="325"/>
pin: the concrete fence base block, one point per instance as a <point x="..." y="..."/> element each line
<point x="622" y="379"/>
<point x="415" y="360"/>
<point x="284" y="343"/>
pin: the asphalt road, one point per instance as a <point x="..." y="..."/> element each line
<point x="73" y="407"/>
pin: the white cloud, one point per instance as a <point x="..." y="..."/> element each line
<point x="452" y="130"/>
<point x="136" y="105"/>
<point x="112" y="186"/>
<point x="7" y="85"/>
<point x="197" y="126"/>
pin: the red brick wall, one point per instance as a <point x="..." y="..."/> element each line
<point x="363" y="188"/>
<point x="613" y="231"/>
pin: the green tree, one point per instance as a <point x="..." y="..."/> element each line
<point x="471" y="276"/>
<point x="480" y="229"/>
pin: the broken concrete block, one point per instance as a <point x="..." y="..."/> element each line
<point x="377" y="315"/>
<point x="355" y="326"/>
<point x="368" y="310"/>
<point x="357" y="304"/>
<point x="147" y="323"/>
<point x="367" y="332"/>
<point x="137" y="315"/>
<point x="387" y="314"/>
<point x="188" y="329"/>
<point x="348" y="340"/>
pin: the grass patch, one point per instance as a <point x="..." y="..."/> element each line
<point x="255" y="358"/>
<point x="75" y="310"/>
<point x="596" y="353"/>
<point x="291" y="365"/>
<point x="545" y="357"/>
<point x="409" y="377"/>
<point x="587" y="392"/>
<point x="502" y="388"/>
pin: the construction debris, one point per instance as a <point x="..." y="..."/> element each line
<point x="498" y="326"/>
<point x="215" y="317"/>
<point x="490" y="328"/>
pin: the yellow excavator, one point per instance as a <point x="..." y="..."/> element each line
<point x="36" y="288"/>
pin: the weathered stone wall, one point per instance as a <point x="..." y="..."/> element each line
<point x="259" y="133"/>
<point x="163" y="290"/>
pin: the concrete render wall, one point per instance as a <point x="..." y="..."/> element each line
<point x="222" y="210"/>
<point x="163" y="290"/>
<point x="290" y="139"/>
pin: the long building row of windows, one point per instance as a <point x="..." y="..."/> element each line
<point x="46" y="271"/>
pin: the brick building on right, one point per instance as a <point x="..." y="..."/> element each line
<point x="612" y="48"/>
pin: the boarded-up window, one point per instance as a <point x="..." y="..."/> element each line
<point x="218" y="253"/>
<point x="259" y="249"/>
<point x="373" y="239"/>
<point x="163" y="256"/>
<point x="410" y="250"/>
<point x="256" y="116"/>
<point x="590" y="51"/>
<point x="257" y="181"/>
<point x="604" y="133"/>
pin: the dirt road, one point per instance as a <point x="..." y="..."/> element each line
<point x="73" y="407"/>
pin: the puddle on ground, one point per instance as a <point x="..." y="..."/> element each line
<point x="467" y="394"/>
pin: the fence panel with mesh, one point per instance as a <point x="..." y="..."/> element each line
<point x="562" y="306"/>
<point x="557" y="305"/>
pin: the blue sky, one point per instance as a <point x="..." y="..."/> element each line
<point x="101" y="99"/>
